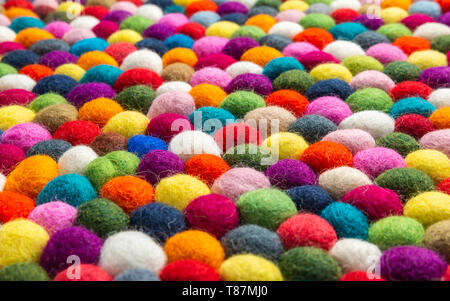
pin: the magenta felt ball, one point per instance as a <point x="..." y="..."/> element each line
<point x="312" y="59"/>
<point x="372" y="79"/>
<point x="174" y="19"/>
<point x="211" y="75"/>
<point x="9" y="46"/>
<point x="53" y="216"/>
<point x="213" y="213"/>
<point x="71" y="241"/>
<point x="218" y="60"/>
<point x="329" y="107"/>
<point x="354" y="140"/>
<point x="209" y="45"/>
<point x="58" y="28"/>
<point x="105" y="28"/>
<point x="288" y="173"/>
<point x="231" y="7"/>
<point x="177" y="102"/>
<point x="159" y="164"/>
<point x="256" y="83"/>
<point x="166" y="126"/>
<point x="16" y="97"/>
<point x="237" y="46"/>
<point x="386" y="53"/>
<point x="415" y="20"/>
<point x="25" y="135"/>
<point x="298" y="49"/>
<point x="374" y="201"/>
<point x="375" y="161"/>
<point x="10" y="156"/>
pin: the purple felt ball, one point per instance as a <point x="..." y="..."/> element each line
<point x="410" y="263"/>
<point x="288" y="173"/>
<point x="437" y="77"/>
<point x="71" y="241"/>
<point x="444" y="19"/>
<point x="159" y="164"/>
<point x="330" y="107"/>
<point x="25" y="135"/>
<point x="159" y="31"/>
<point x="375" y="161"/>
<point x="116" y="16"/>
<point x="370" y="21"/>
<point x="256" y="83"/>
<point x="415" y="20"/>
<point x="312" y="59"/>
<point x="83" y="93"/>
<point x="237" y="46"/>
<point x="56" y="58"/>
<point x="231" y="7"/>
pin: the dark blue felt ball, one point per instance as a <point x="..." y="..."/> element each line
<point x="369" y="38"/>
<point x="142" y="144"/>
<point x="329" y="87"/>
<point x="153" y="44"/>
<point x="57" y="83"/>
<point x="20" y="58"/>
<point x="53" y="148"/>
<point x="312" y="127"/>
<point x="237" y="18"/>
<point x="310" y="198"/>
<point x="160" y="3"/>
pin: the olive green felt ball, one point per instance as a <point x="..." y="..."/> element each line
<point x="318" y="21"/>
<point x="441" y="43"/>
<point x="23" y="271"/>
<point x="400" y="142"/>
<point x="359" y="63"/>
<point x="136" y="98"/>
<point x="249" y="31"/>
<point x="370" y="99"/>
<point x="241" y="102"/>
<point x="402" y="71"/>
<point x="394" y="31"/>
<point x="45" y="100"/>
<point x="296" y="80"/>
<point x="272" y="3"/>
<point x="136" y="23"/>
<point x="248" y="155"/>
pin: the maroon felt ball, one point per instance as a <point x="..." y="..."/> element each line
<point x="166" y="126"/>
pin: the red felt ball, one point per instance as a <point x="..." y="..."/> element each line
<point x="307" y="230"/>
<point x="218" y="60"/>
<point x="206" y="167"/>
<point x="166" y="126"/>
<point x="342" y="15"/>
<point x="410" y="89"/>
<point x="188" y="270"/>
<point x="235" y="134"/>
<point x="104" y="29"/>
<point x="444" y="186"/>
<point x="137" y="76"/>
<point x="202" y="5"/>
<point x="14" y="205"/>
<point x="18" y="3"/>
<point x="325" y="155"/>
<point x="192" y="29"/>
<point x="97" y="11"/>
<point x="10" y="156"/>
<point x="16" y="97"/>
<point x="119" y="51"/>
<point x="85" y="272"/>
<point x="447" y="274"/>
<point x="77" y="132"/>
<point x="360" y="276"/>
<point x="414" y="125"/>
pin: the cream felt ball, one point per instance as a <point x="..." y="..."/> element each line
<point x="177" y="102"/>
<point x="6" y="34"/>
<point x="76" y="159"/>
<point x="150" y="11"/>
<point x="440" y="98"/>
<point x="286" y="28"/>
<point x="377" y="124"/>
<point x="375" y="161"/>
<point x="339" y="181"/>
<point x="131" y="250"/>
<point x="431" y="30"/>
<point x="343" y="49"/>
<point x="438" y="140"/>
<point x="247" y="3"/>
<point x="268" y="119"/>
<point x="143" y="58"/>
<point x="87" y="22"/>
<point x="189" y="143"/>
<point x="352" y="4"/>
<point x="354" y="140"/>
<point x="372" y="79"/>
<point x="355" y="255"/>
<point x="243" y="67"/>
<point x="16" y="81"/>
<point x="173" y="86"/>
<point x="2" y="182"/>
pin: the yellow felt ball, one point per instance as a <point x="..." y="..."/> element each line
<point x="99" y="110"/>
<point x="73" y="8"/>
<point x="432" y="162"/>
<point x="184" y="2"/>
<point x="13" y="115"/>
<point x="222" y="29"/>
<point x="261" y="55"/>
<point x="195" y="245"/>
<point x="94" y="58"/>
<point x="329" y="71"/>
<point x="72" y="70"/>
<point x="249" y="267"/>
<point x="393" y="14"/>
<point x="179" y="55"/>
<point x="396" y="3"/>
<point x="285" y="145"/>
<point x="21" y="240"/>
<point x="29" y="36"/>
<point x="265" y="22"/>
<point x="125" y="35"/>
<point x="425" y="59"/>
<point x="128" y="124"/>
<point x="298" y="5"/>
<point x="179" y="190"/>
<point x="207" y="95"/>
<point x="428" y="207"/>
<point x="441" y="118"/>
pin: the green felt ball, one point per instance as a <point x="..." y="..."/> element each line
<point x="124" y="162"/>
<point x="359" y="63"/>
<point x="309" y="264"/>
<point x="266" y="207"/>
<point x="394" y="231"/>
<point x="23" y="271"/>
<point x="249" y="31"/>
<point x="6" y="69"/>
<point x="402" y="71"/>
<point x="370" y="99"/>
<point x="136" y="23"/>
<point x="441" y="43"/>
<point x="272" y="3"/>
<point x="406" y="182"/>
<point x="317" y="20"/>
<point x="136" y="98"/>
<point x="102" y="216"/>
<point x="45" y="100"/>
<point x="248" y="155"/>
<point x="400" y="142"/>
<point x="241" y="102"/>
<point x="394" y="31"/>
<point x="100" y="171"/>
<point x="296" y="80"/>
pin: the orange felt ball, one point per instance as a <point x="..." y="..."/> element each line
<point x="29" y="36"/>
<point x="289" y="100"/>
<point x="410" y="44"/>
<point x="265" y="22"/>
<point x="206" y="167"/>
<point x="93" y="58"/>
<point x="99" y="110"/>
<point x="36" y="71"/>
<point x="441" y="118"/>
<point x="325" y="155"/>
<point x="179" y="55"/>
<point x="203" y="5"/>
<point x="396" y="3"/>
<point x="14" y="205"/>
<point x="207" y="95"/>
<point x="15" y="12"/>
<point x="261" y="55"/>
<point x="317" y="36"/>
<point x="128" y="192"/>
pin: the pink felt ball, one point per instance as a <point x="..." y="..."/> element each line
<point x="177" y="102"/>
<point x="372" y="79"/>
<point x="209" y="45"/>
<point x="298" y="49"/>
<point x="25" y="135"/>
<point x="354" y="140"/>
<point x="174" y="19"/>
<point x="50" y="3"/>
<point x="438" y="140"/>
<point x="4" y="21"/>
<point x="77" y="34"/>
<point x="330" y="107"/>
<point x="212" y="213"/>
<point x="386" y="53"/>
<point x="211" y="75"/>
<point x="374" y="201"/>
<point x="125" y="6"/>
<point x="291" y="15"/>
<point x="10" y="156"/>
<point x="53" y="216"/>
<point x="375" y="161"/>
<point x="238" y="181"/>
<point x="16" y="97"/>
<point x="58" y="28"/>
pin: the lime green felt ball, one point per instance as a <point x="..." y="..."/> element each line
<point x="370" y="99"/>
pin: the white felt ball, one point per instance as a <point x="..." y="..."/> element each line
<point x="143" y="58"/>
<point x="440" y="98"/>
<point x="190" y="143"/>
<point x="76" y="159"/>
<point x="87" y="22"/>
<point x="2" y="182"/>
<point x="343" y="49"/>
<point x="242" y="67"/>
<point x="6" y="34"/>
<point x="376" y="123"/>
<point x="124" y="5"/>
<point x="16" y="81"/>
<point x="431" y="30"/>
<point x="248" y="3"/>
<point x="286" y="28"/>
<point x="150" y="11"/>
<point x="355" y="255"/>
<point x="131" y="250"/>
<point x="340" y="180"/>
<point x="173" y="86"/>
<point x="353" y="4"/>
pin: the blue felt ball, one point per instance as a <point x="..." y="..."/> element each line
<point x="158" y="220"/>
<point x="347" y="220"/>
<point x="174" y="9"/>
<point x="412" y="105"/>
<point x="209" y="119"/>
<point x="179" y="40"/>
<point x="253" y="239"/>
<point x="347" y="30"/>
<point x="279" y="65"/>
<point x="329" y="87"/>
<point x="101" y="74"/>
<point x="44" y="46"/>
<point x="429" y="8"/>
<point x="137" y="275"/>
<point x="87" y="45"/>
<point x="310" y="198"/>
<point x="237" y="18"/>
<point x="72" y="189"/>
<point x="57" y="83"/>
<point x="160" y="3"/>
<point x="53" y="148"/>
<point x="205" y="18"/>
<point x="153" y="44"/>
<point x="21" y="23"/>
<point x="20" y="58"/>
<point x="312" y="127"/>
<point x="276" y="41"/>
<point x="369" y="38"/>
<point x="262" y="10"/>
<point x="142" y="144"/>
